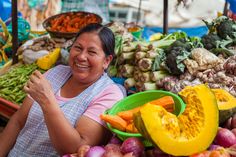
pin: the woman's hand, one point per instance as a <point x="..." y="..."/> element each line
<point x="40" y="89"/>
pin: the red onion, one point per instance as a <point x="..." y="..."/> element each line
<point x="225" y="138"/>
<point x="82" y="151"/>
<point x="115" y="140"/>
<point x="157" y="152"/>
<point x="133" y="145"/>
<point x="96" y="151"/>
<point x="129" y="155"/>
<point x="113" y="147"/>
<point x="112" y="153"/>
<point x="70" y="155"/>
<point x="234" y="131"/>
<point x="214" y="147"/>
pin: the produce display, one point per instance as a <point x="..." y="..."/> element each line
<point x="123" y="121"/>
<point x="176" y="60"/>
<point x="71" y="22"/>
<point x="200" y="72"/>
<point x="131" y="147"/>
<point x="182" y="64"/>
<point x="196" y="125"/>
<point x="12" y="83"/>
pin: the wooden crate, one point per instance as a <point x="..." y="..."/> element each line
<point x="7" y="108"/>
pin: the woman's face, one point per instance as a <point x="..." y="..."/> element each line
<point x="87" y="58"/>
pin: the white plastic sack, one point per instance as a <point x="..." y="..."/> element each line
<point x="30" y="56"/>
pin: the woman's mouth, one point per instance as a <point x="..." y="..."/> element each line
<point x="81" y="66"/>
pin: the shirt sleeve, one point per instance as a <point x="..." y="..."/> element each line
<point x="105" y="100"/>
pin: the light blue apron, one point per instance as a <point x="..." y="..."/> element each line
<point x="33" y="140"/>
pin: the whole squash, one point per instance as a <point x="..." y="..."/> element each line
<point x="189" y="133"/>
<point x="226" y="104"/>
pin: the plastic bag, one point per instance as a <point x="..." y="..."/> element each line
<point x="30" y="56"/>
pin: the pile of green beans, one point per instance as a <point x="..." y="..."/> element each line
<point x="12" y="83"/>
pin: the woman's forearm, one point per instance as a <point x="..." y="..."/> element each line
<point x="64" y="137"/>
<point x="14" y="126"/>
<point x="8" y="136"/>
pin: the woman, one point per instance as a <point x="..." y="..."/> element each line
<point x="62" y="109"/>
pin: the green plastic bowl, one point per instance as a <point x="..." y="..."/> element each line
<point x="138" y="34"/>
<point x="139" y="99"/>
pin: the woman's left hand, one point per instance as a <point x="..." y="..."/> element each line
<point x="39" y="89"/>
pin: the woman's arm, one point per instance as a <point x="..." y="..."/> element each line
<point x="65" y="138"/>
<point x="60" y="130"/>
<point x="89" y="127"/>
<point x="14" y="126"/>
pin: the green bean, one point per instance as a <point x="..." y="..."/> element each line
<point x="12" y="83"/>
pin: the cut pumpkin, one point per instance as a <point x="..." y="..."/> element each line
<point x="191" y="132"/>
<point x="226" y="104"/>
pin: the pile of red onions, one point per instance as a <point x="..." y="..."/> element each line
<point x="132" y="145"/>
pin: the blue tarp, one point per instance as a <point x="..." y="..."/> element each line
<point x="232" y="6"/>
<point x="5" y="7"/>
<point x="191" y="31"/>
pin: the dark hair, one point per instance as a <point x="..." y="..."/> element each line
<point x="105" y="34"/>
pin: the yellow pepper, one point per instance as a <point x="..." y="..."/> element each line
<point x="47" y="61"/>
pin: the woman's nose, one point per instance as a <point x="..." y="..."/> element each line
<point x="81" y="56"/>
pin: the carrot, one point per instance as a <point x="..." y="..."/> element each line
<point x="128" y="115"/>
<point x="131" y="128"/>
<point x="167" y="102"/>
<point x="115" y="121"/>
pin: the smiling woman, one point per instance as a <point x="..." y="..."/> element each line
<point x="63" y="107"/>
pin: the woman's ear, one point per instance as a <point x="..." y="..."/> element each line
<point x="107" y="61"/>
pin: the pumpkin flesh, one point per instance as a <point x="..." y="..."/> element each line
<point x="226" y="104"/>
<point x="191" y="132"/>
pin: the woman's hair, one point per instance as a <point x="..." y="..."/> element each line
<point x="105" y="34"/>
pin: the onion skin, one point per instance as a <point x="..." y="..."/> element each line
<point x="115" y="140"/>
<point x="214" y="147"/>
<point x="113" y="147"/>
<point x="96" y="151"/>
<point x="133" y="145"/>
<point x="112" y="153"/>
<point x="70" y="155"/>
<point x="234" y="131"/>
<point x="157" y="152"/>
<point x="82" y="151"/>
<point x="129" y="155"/>
<point x="225" y="138"/>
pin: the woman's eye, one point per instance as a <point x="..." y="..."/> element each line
<point x="77" y="47"/>
<point x="92" y="52"/>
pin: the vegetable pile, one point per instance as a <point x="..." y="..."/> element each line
<point x="131" y="147"/>
<point x="72" y="21"/>
<point x="124" y="120"/>
<point x="12" y="83"/>
<point x="221" y="37"/>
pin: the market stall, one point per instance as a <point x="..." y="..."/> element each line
<point x="182" y="87"/>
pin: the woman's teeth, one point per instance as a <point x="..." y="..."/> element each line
<point x="81" y="66"/>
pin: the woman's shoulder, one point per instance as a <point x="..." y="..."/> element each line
<point x="113" y="89"/>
